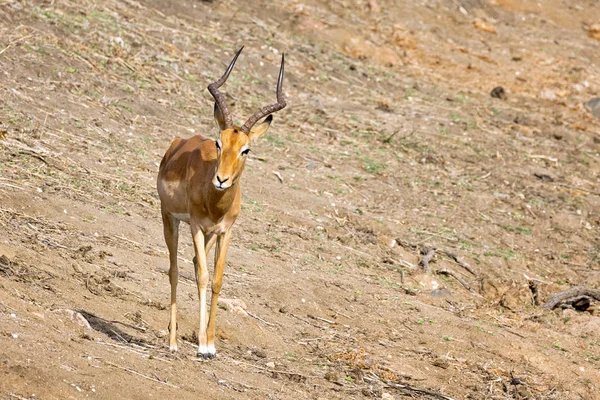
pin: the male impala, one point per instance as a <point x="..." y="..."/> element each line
<point x="199" y="183"/>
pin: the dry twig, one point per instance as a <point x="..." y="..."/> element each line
<point x="142" y="375"/>
<point x="259" y="318"/>
<point x="429" y="252"/>
<point x="449" y="272"/>
<point x="408" y="388"/>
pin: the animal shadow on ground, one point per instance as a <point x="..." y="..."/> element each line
<point x="109" y="328"/>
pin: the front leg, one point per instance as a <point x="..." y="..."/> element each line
<point x="220" y="255"/>
<point x="202" y="283"/>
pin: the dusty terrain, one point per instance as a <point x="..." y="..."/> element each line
<point x="391" y="145"/>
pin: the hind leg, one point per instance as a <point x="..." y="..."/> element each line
<point x="171" y="232"/>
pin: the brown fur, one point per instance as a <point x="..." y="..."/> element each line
<point x="187" y="187"/>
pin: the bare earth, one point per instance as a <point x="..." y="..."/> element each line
<point x="391" y="145"/>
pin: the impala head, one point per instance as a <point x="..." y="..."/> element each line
<point x="233" y="143"/>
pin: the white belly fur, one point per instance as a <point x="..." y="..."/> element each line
<point x="206" y="224"/>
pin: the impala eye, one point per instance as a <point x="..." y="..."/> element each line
<point x="245" y="152"/>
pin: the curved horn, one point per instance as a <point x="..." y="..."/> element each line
<point x="219" y="98"/>
<point x="263" y="112"/>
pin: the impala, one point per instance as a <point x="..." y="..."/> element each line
<point x="199" y="183"/>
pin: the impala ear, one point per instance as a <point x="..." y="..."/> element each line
<point x="261" y="128"/>
<point x="219" y="117"/>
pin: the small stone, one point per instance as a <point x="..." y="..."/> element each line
<point x="499" y="93"/>
<point x="594" y="31"/>
<point x="81" y="320"/>
<point x="331" y="376"/>
<point x="593" y="106"/>
<point x="441" y="293"/>
<point x="161" y="333"/>
<point x="233" y="305"/>
<point x="441" y="363"/>
<point x="284" y="309"/>
<point x="259" y="353"/>
<point x="548" y="94"/>
<point x="270" y="364"/>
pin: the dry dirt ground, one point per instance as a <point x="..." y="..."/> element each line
<point x="391" y="145"/>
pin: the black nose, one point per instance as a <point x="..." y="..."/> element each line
<point x="222" y="180"/>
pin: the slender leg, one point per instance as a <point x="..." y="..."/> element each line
<point x="202" y="282"/>
<point x="209" y="241"/>
<point x="220" y="255"/>
<point x="171" y="231"/>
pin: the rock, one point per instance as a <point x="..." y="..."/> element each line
<point x="544" y="177"/>
<point x="233" y="305"/>
<point x="441" y="363"/>
<point x="387" y="396"/>
<point x="594" y="31"/>
<point x="517" y="298"/>
<point x="386" y="241"/>
<point x="441" y="293"/>
<point x="161" y="333"/>
<point x="548" y="94"/>
<point x="332" y="376"/>
<point x="593" y="106"/>
<point x="259" y="353"/>
<point x="270" y="364"/>
<point x="76" y="317"/>
<point x="522" y="120"/>
<point x="499" y="93"/>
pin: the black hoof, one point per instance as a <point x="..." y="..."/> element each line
<point x="207" y="356"/>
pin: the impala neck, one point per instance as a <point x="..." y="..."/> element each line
<point x="221" y="201"/>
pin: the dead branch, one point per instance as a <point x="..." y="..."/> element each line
<point x="429" y="252"/>
<point x="8" y="46"/>
<point x="408" y="388"/>
<point x="459" y="261"/>
<point x="413" y="389"/>
<point x="449" y="272"/>
<point x="570" y="294"/>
